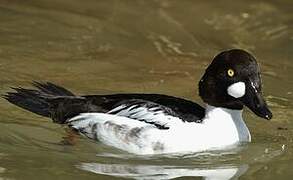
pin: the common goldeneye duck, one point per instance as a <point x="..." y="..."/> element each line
<point x="155" y="123"/>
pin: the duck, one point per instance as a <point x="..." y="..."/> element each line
<point x="144" y="123"/>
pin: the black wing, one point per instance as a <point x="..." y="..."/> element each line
<point x="184" y="109"/>
<point x="60" y="104"/>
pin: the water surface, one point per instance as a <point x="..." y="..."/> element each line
<point x="112" y="46"/>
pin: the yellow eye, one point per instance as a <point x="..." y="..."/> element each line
<point x="230" y="72"/>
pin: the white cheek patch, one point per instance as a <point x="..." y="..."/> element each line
<point x="236" y="90"/>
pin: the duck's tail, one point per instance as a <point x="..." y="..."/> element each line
<point x="40" y="100"/>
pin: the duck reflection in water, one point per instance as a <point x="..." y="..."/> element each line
<point x="164" y="172"/>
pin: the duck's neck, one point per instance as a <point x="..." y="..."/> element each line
<point x="222" y="114"/>
<point x="227" y="120"/>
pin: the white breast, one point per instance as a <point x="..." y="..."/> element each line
<point x="226" y="125"/>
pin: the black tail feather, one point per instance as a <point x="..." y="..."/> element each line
<point x="37" y="101"/>
<point x="52" y="89"/>
<point x="30" y="100"/>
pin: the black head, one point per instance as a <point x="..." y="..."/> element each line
<point x="233" y="80"/>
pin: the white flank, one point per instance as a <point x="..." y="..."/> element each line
<point x="220" y="129"/>
<point x="236" y="90"/>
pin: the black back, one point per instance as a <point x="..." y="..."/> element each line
<point x="184" y="109"/>
<point x="60" y="104"/>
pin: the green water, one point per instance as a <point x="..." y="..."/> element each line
<point x="111" y="46"/>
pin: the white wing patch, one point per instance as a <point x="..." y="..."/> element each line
<point x="154" y="114"/>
